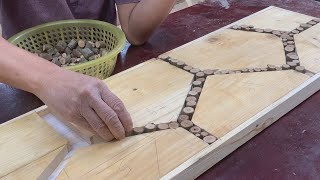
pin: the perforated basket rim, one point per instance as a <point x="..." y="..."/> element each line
<point x="108" y="57"/>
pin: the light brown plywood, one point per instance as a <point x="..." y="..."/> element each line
<point x="312" y="34"/>
<point x="230" y="49"/>
<point x="153" y="92"/>
<point x="25" y="140"/>
<point x="236" y="98"/>
<point x="41" y="168"/>
<point x="309" y="53"/>
<point x="277" y="19"/>
<point x="141" y="157"/>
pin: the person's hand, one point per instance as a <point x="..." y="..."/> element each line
<point x="86" y="102"/>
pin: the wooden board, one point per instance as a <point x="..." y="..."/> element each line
<point x="28" y="140"/>
<point x="232" y="107"/>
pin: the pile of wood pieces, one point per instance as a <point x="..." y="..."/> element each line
<point x="72" y="53"/>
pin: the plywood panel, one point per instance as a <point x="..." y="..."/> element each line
<point x="236" y="98"/>
<point x="230" y="49"/>
<point x="309" y="53"/>
<point x="139" y="157"/>
<point x="154" y="92"/>
<point x="41" y="168"/>
<point x="312" y="34"/>
<point x="277" y="19"/>
<point x="25" y="140"/>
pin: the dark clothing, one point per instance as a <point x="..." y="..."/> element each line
<point x="18" y="15"/>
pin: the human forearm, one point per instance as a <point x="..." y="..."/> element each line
<point x="22" y="69"/>
<point x="139" y="20"/>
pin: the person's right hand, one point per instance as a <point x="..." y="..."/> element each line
<point x="86" y="102"/>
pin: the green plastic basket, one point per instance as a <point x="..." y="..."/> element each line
<point x="32" y="39"/>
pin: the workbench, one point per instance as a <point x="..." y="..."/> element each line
<point x="287" y="149"/>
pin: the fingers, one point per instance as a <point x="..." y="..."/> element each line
<point x="116" y="104"/>
<point x="108" y="116"/>
<point x="97" y="124"/>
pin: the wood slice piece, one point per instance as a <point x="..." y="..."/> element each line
<point x="72" y="44"/>
<point x="198" y="135"/>
<point x="46" y="56"/>
<point x="87" y="52"/>
<point x="197" y="89"/>
<point x="162" y="126"/>
<point x="182" y="118"/>
<point x="186" y="124"/>
<point x="193" y="93"/>
<point x="196" y="83"/>
<point x="138" y="130"/>
<point x="312" y="22"/>
<point x="290" y="42"/>
<point x="305" y="26"/>
<point x="204" y="134"/>
<point x="267" y="30"/>
<point x="188" y="111"/>
<point x="150" y="127"/>
<point x="200" y="74"/>
<point x="61" y="46"/>
<point x="195" y="130"/>
<point x="285" y="67"/>
<point x="271" y="67"/>
<point x="316" y="20"/>
<point x="180" y="64"/>
<point x="100" y="44"/>
<point x="209" y="139"/>
<point x="295" y="31"/>
<point x="299" y="28"/>
<point x="257" y="69"/>
<point x="258" y="30"/>
<point x="244" y="70"/>
<point x="191" y="98"/>
<point x="82" y="43"/>
<point x="194" y="70"/>
<point x="191" y="104"/>
<point x="301" y="69"/>
<point x="174" y="125"/>
<point x="208" y="72"/>
<point x="289" y="48"/>
<point x="187" y="68"/>
<point x="76" y="53"/>
<point x="56" y="61"/>
<point x="278" y="68"/>
<point x="292" y="65"/>
<point x="46" y="47"/>
<point x="201" y="79"/>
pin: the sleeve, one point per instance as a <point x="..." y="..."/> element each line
<point x="119" y="2"/>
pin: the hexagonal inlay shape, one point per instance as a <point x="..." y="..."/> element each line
<point x="231" y="49"/>
<point x="229" y="100"/>
<point x="154" y="92"/>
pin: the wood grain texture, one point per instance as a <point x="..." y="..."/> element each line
<point x="153" y="92"/>
<point x="148" y="156"/>
<point x="308" y="48"/>
<point x="231" y="49"/>
<point x="25" y="140"/>
<point x="309" y="53"/>
<point x="41" y="168"/>
<point x="208" y="157"/>
<point x="277" y="19"/>
<point x="236" y="98"/>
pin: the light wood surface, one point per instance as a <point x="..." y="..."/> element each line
<point x="235" y="98"/>
<point x="308" y="47"/>
<point x="41" y="168"/>
<point x="25" y="140"/>
<point x="141" y="157"/>
<point x="277" y="19"/>
<point x="230" y="49"/>
<point x="208" y="157"/>
<point x="154" y="92"/>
